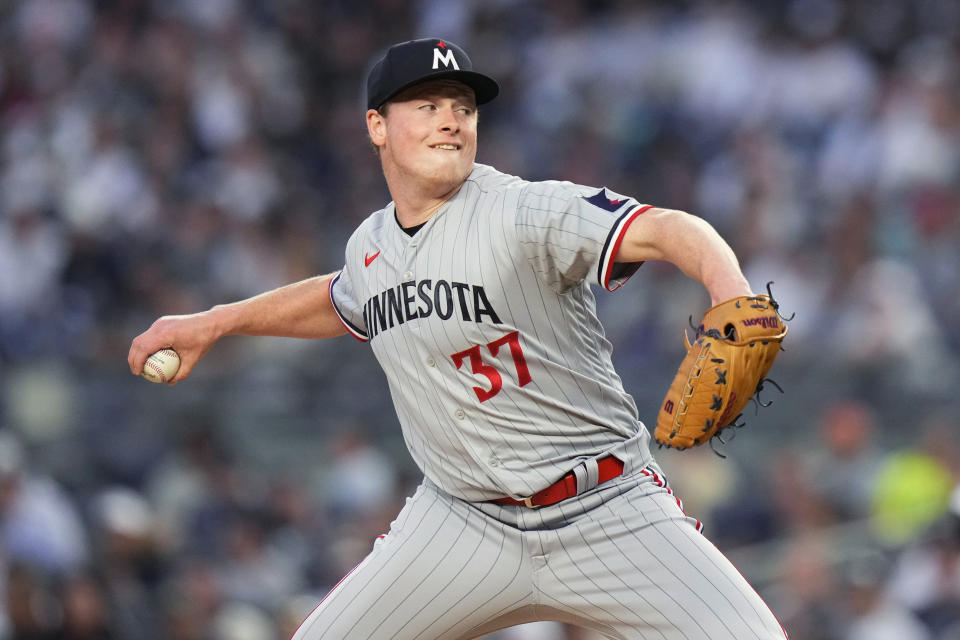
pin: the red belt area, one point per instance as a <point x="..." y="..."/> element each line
<point x="566" y="487"/>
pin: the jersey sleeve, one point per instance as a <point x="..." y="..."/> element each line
<point x="348" y="309"/>
<point x="572" y="233"/>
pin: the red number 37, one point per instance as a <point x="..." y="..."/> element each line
<point x="479" y="367"/>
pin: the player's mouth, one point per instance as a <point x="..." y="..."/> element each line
<point x="446" y="147"/>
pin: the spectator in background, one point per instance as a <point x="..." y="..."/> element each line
<point x="182" y="485"/>
<point x="872" y="614"/>
<point x="252" y="571"/>
<point x="242" y="621"/>
<point x="33" y="252"/>
<point x="191" y="600"/>
<point x="926" y="578"/>
<point x="805" y="598"/>
<point x="887" y="326"/>
<point x="40" y="526"/>
<point x="128" y="566"/>
<point x="843" y="470"/>
<point x="86" y="612"/>
<point x="360" y="479"/>
<point x="29" y="605"/>
<point x="914" y="483"/>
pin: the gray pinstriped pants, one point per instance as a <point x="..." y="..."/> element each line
<point x="621" y="559"/>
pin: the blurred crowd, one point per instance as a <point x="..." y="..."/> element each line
<point x="163" y="156"/>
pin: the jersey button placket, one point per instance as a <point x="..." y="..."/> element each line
<point x="459" y="414"/>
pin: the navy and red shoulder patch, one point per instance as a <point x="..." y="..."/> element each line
<point x="604" y="201"/>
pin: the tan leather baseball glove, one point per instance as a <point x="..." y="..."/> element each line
<point x="726" y="365"/>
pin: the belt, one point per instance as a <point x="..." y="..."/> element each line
<point x="607" y="468"/>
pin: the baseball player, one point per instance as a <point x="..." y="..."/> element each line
<point x="540" y="498"/>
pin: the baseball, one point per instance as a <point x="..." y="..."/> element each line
<point x="161" y="366"/>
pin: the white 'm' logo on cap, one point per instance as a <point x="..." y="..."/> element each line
<point x="446" y="58"/>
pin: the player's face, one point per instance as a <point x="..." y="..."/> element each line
<point x="429" y="135"/>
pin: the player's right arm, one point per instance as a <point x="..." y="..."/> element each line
<point x="299" y="310"/>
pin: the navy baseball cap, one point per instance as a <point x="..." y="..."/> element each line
<point x="415" y="61"/>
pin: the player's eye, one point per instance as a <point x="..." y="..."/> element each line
<point x="428" y="107"/>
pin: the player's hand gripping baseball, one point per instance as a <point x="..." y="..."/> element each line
<point x="191" y="336"/>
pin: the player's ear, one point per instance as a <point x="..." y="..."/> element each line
<point x="376" y="127"/>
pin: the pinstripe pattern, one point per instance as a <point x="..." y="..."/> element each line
<point x="621" y="559"/>
<point x="485" y="325"/>
<point x="443" y="570"/>
<point x="532" y="249"/>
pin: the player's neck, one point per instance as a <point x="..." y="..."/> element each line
<point x="416" y="205"/>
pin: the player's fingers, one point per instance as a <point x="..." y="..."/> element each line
<point x="157" y="337"/>
<point x="190" y="336"/>
<point x="138" y="354"/>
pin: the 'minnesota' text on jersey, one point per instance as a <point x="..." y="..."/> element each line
<point x="486" y="327"/>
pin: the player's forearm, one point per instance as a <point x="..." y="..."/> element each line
<point x="713" y="263"/>
<point x="691" y="244"/>
<point x="299" y="310"/>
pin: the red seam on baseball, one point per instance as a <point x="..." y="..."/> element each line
<point x="157" y="369"/>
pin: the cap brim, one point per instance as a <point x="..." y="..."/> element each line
<point x="484" y="87"/>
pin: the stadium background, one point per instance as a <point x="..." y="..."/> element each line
<point x="159" y="157"/>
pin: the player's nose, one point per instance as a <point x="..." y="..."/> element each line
<point x="448" y="120"/>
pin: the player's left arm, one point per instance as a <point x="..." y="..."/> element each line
<point x="690" y="243"/>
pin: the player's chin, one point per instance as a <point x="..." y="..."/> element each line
<point x="451" y="172"/>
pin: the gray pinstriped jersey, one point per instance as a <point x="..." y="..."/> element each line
<point x="485" y="325"/>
